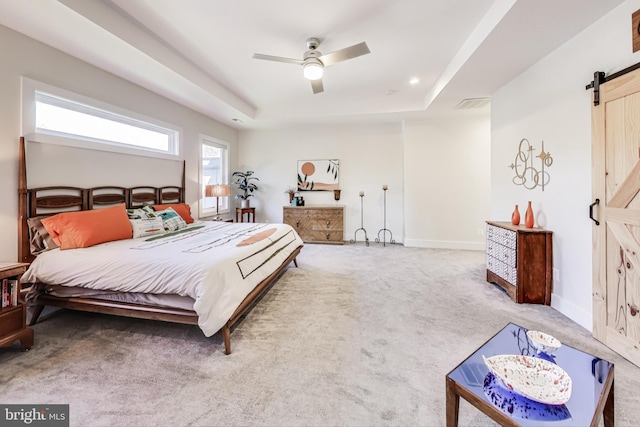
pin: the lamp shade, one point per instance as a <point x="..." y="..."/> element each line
<point x="217" y="190"/>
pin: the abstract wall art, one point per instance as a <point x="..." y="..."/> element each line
<point x="318" y="175"/>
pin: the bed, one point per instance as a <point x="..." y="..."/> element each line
<point x="206" y="273"/>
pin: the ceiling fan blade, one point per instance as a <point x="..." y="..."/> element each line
<point x="316" y="85"/>
<point x="278" y="59"/>
<point x="344" y="54"/>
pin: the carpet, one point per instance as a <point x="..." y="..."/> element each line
<point x="355" y="336"/>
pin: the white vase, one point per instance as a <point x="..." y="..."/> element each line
<point x="245" y="203"/>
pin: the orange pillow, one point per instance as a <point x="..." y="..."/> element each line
<point x="183" y="209"/>
<point x="87" y="228"/>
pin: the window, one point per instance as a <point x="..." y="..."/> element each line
<point x="57" y="116"/>
<point x="214" y="169"/>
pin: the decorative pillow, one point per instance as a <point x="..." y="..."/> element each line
<point x="39" y="238"/>
<point x="87" y="228"/>
<point x="171" y="220"/>
<point x="183" y="209"/>
<point x="147" y="227"/>
<point x="143" y="212"/>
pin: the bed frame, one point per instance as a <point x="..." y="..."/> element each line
<point x="50" y="200"/>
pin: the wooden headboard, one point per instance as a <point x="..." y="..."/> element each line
<point x="51" y="200"/>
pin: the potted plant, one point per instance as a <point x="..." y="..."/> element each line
<point x="291" y="191"/>
<point x="243" y="181"/>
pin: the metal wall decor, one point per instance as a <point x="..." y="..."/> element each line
<point x="526" y="173"/>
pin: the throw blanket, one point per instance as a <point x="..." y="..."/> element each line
<point x="216" y="263"/>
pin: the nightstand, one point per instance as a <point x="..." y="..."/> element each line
<point x="251" y="214"/>
<point x="13" y="318"/>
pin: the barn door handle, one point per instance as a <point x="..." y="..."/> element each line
<point x="597" y="202"/>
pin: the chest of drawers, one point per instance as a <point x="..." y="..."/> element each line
<point x="316" y="223"/>
<point x="519" y="260"/>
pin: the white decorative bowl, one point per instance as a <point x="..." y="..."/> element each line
<point x="532" y="377"/>
<point x="543" y="342"/>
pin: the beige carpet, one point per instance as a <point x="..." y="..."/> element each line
<point x="356" y="336"/>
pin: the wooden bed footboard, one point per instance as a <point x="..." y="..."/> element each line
<point x="165" y="314"/>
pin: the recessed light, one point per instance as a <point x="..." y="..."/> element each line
<point x="389" y="92"/>
<point x="414" y="81"/>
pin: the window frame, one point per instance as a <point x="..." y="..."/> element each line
<point x="225" y="205"/>
<point x="83" y="104"/>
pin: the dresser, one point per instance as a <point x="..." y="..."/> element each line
<point x="316" y="223"/>
<point x="520" y="261"/>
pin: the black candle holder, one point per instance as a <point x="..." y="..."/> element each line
<point x="384" y="230"/>
<point x="355" y="234"/>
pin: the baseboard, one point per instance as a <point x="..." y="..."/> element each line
<point x="572" y="311"/>
<point x="444" y="244"/>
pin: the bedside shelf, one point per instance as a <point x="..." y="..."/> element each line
<point x="13" y="324"/>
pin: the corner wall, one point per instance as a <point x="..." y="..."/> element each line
<point x="447" y="175"/>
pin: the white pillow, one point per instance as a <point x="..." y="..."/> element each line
<point x="146" y="227"/>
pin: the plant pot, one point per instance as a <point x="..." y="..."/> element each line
<point x="244" y="204"/>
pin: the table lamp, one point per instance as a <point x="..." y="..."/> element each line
<point x="217" y="191"/>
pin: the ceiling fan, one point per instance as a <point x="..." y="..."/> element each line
<point x="313" y="61"/>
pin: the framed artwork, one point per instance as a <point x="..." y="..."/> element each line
<point x="318" y="175"/>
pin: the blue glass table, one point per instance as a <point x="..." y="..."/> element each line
<point x="591" y="397"/>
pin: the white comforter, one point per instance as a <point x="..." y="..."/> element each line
<point x="216" y="263"/>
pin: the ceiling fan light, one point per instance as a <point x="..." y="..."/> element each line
<point x="312" y="71"/>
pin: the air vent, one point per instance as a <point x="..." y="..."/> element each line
<point x="470" y="103"/>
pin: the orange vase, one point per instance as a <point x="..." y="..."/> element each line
<point x="515" y="216"/>
<point x="528" y="217"/>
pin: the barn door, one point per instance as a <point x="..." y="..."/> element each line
<point x="616" y="240"/>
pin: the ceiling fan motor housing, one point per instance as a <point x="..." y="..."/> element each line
<point x="312" y="54"/>
<point x="313" y="43"/>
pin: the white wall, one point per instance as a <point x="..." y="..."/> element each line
<point x="447" y="181"/>
<point x="57" y="165"/>
<point x="370" y="155"/>
<point x="549" y="103"/>
<point x="437" y="171"/>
